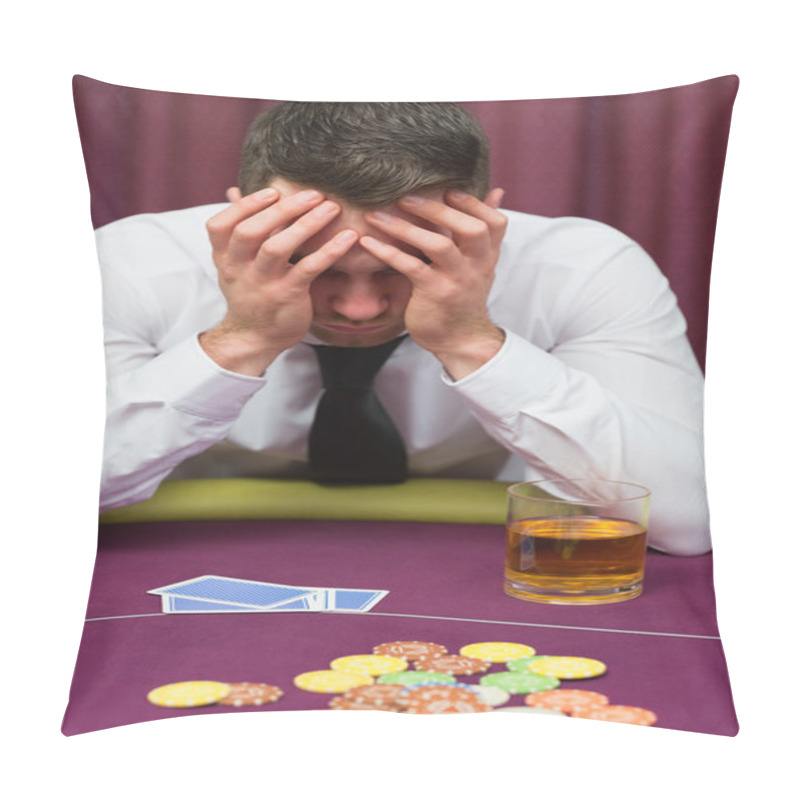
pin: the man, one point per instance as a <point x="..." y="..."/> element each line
<point x="535" y="348"/>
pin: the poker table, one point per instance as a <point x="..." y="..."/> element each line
<point x="436" y="546"/>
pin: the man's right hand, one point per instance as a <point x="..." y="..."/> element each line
<point x="266" y="290"/>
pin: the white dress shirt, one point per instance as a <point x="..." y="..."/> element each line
<point x="596" y="377"/>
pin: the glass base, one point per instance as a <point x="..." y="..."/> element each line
<point x="555" y="596"/>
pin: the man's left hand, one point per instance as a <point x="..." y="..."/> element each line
<point x="447" y="313"/>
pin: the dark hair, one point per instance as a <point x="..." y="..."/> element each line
<point x="367" y="154"/>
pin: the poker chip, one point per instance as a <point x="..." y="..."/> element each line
<point x="188" y="694"/>
<point x="630" y="714"/>
<point x="330" y="681"/>
<point x="567" y="667"/>
<point x="453" y="665"/>
<point x="409" y="650"/>
<point x="521" y="664"/>
<point x="343" y="704"/>
<point x="497" y="652"/>
<point x="520" y="682"/>
<point x="251" y="694"/>
<point x="376" y="694"/>
<point x="369" y="664"/>
<point x="441" y="700"/>
<point x="566" y="700"/>
<point x="414" y="678"/>
<point x="491" y="695"/>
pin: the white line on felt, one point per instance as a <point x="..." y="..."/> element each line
<point x="126" y="616"/>
<point x="539" y="625"/>
<point x="451" y="619"/>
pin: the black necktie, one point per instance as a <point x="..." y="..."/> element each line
<point x="353" y="439"/>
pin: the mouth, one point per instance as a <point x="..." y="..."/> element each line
<point x="353" y="328"/>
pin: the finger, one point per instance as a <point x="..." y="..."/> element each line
<point x="278" y="249"/>
<point x="314" y="264"/>
<point x="234" y="194"/>
<point x="221" y="225"/>
<point x="471" y="205"/>
<point x="470" y="221"/>
<point x="494" y="198"/>
<point x="251" y="232"/>
<point x="415" y="269"/>
<point x="441" y="249"/>
<point x="496" y="221"/>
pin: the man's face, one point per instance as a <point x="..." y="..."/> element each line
<point x="359" y="301"/>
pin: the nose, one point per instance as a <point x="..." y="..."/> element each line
<point x="359" y="299"/>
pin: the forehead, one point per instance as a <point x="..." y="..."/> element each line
<point x="288" y="188"/>
<point x="352" y="218"/>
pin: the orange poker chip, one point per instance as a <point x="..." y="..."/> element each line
<point x="376" y="694"/>
<point x="441" y="700"/>
<point x="341" y="703"/>
<point x="409" y="650"/>
<point x="453" y="665"/>
<point x="251" y="694"/>
<point x="630" y="714"/>
<point x="566" y="700"/>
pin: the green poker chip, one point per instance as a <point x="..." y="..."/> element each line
<point x="520" y="682"/>
<point x="416" y="677"/>
<point x="521" y="664"/>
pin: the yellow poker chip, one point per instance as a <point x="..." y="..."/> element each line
<point x="567" y="667"/>
<point x="330" y="681"/>
<point x="497" y="652"/>
<point x="189" y="694"/>
<point x="369" y="664"/>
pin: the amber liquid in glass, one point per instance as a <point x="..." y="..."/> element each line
<point x="575" y="560"/>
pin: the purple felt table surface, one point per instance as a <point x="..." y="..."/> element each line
<point x="445" y="584"/>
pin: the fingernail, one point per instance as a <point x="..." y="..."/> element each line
<point x="325" y="209"/>
<point x="344" y="237"/>
<point x="308" y="195"/>
<point x="265" y="194"/>
<point x="384" y="216"/>
<point x="413" y="198"/>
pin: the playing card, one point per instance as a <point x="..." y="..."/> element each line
<point x="240" y="592"/>
<point x="217" y="594"/>
<point x="175" y="604"/>
<point x="353" y="599"/>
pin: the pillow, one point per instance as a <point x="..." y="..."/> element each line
<point x="649" y="165"/>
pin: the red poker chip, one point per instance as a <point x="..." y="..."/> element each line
<point x="410" y="650"/>
<point x="251" y="694"/>
<point x="630" y="714"/>
<point x="441" y="700"/>
<point x="566" y="700"/>
<point x="376" y="694"/>
<point x="453" y="665"/>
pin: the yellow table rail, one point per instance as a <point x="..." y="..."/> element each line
<point x="417" y="500"/>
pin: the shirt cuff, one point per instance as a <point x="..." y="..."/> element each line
<point x="189" y="380"/>
<point x="520" y="374"/>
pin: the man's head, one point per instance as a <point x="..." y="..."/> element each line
<point x="365" y="157"/>
<point x="367" y="154"/>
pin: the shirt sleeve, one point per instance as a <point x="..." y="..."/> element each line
<point x="617" y="395"/>
<point x="163" y="412"/>
<point x="166" y="399"/>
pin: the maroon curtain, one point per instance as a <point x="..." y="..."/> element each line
<point x="649" y="164"/>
